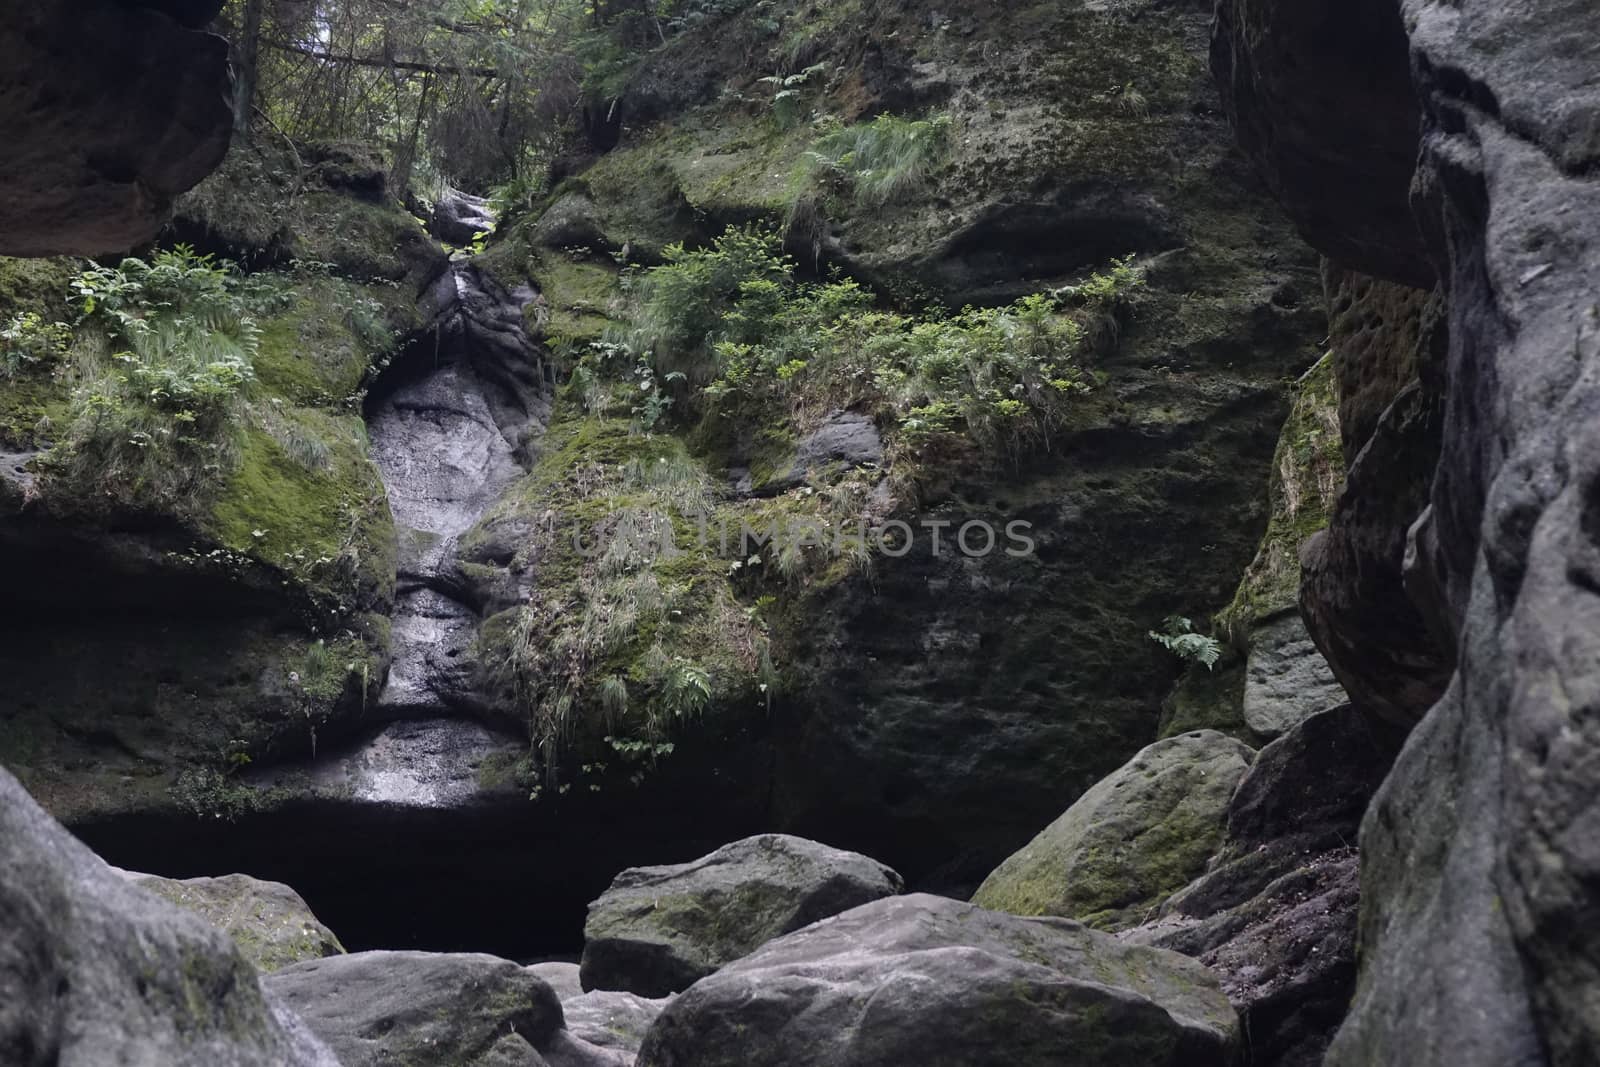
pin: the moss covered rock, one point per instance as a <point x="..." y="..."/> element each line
<point x="1129" y="842"/>
<point x="269" y="922"/>
<point x="658" y="930"/>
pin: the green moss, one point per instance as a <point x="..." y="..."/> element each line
<point x="319" y="349"/>
<point x="329" y="528"/>
<point x="36" y="285"/>
<point x="1307" y="478"/>
<point x="580" y="296"/>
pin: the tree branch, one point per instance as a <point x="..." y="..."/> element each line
<point x="387" y="64"/>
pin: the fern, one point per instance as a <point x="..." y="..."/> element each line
<point x="1179" y="638"/>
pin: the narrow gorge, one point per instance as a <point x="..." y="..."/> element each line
<point x="747" y="533"/>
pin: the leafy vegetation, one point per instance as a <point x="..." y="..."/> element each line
<point x="734" y="318"/>
<point x="162" y="356"/>
<point x="1178" y="637"/>
<point x="882" y="160"/>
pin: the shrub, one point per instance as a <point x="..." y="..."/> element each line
<point x="27" y="342"/>
<point x="681" y="303"/>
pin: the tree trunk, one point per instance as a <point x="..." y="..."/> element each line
<point x="245" y="66"/>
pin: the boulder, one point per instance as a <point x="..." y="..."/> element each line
<point x="420" y="1009"/>
<point x="843" y="440"/>
<point x="269" y="922"/>
<point x="1137" y="836"/>
<point x="1286" y="679"/>
<point x="1275" y="914"/>
<point x="1286" y="956"/>
<point x="658" y="930"/>
<point x="570" y="222"/>
<point x="562" y="977"/>
<point x="611" y="1020"/>
<point x="94" y="970"/>
<point x="107" y="111"/>
<point x="931" y="981"/>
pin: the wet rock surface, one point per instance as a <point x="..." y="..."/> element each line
<point x="447" y="439"/>
<point x="927" y="980"/>
<point x="657" y="930"/>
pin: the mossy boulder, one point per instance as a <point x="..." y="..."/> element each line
<point x="931" y="981"/>
<point x="1131" y="841"/>
<point x="269" y="922"/>
<point x="658" y="930"/>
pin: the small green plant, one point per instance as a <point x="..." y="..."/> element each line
<point x="882" y="160"/>
<point x="687" y="690"/>
<point x="27" y="342"/>
<point x="163" y="357"/>
<point x="1178" y="637"/>
<point x="788" y="92"/>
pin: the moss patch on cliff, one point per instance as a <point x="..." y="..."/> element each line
<point x="633" y="632"/>
<point x="1307" y="478"/>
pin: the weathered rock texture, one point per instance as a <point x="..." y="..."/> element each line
<point x="1132" y="840"/>
<point x="94" y="970"/>
<point x="269" y="922"/>
<point x="657" y="930"/>
<point x="1388" y="347"/>
<point x="943" y="711"/>
<point x="418" y="1009"/>
<point x="107" y="110"/>
<point x="930" y="981"/>
<point x="1275" y="913"/>
<point x="1478" y="931"/>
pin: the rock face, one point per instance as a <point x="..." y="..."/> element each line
<point x="1477" y="866"/>
<point x="269" y="922"/>
<point x="657" y="930"/>
<point x="94" y="970"/>
<point x="1387" y="355"/>
<point x="1286" y="679"/>
<point x="1479" y="934"/>
<point x="1139" y="835"/>
<point x="447" y="442"/>
<point x="1275" y="913"/>
<point x="459" y="217"/>
<point x="615" y="1021"/>
<point x="927" y="980"/>
<point x="932" y="727"/>
<point x="417" y="1009"/>
<point x="1321" y="101"/>
<point x="108" y="111"/>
